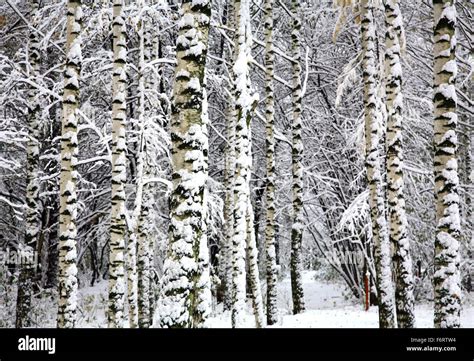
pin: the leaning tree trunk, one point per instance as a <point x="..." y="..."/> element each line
<point x="373" y="139"/>
<point x="186" y="295"/>
<point x="447" y="291"/>
<point x="296" y="261"/>
<point x="117" y="282"/>
<point x="404" y="299"/>
<point x="68" y="177"/>
<point x="271" y="266"/>
<point x="32" y="223"/>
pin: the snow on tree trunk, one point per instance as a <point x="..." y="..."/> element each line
<point x="117" y="282"/>
<point x="138" y="309"/>
<point x="68" y="178"/>
<point x="271" y="266"/>
<point x="186" y="294"/>
<point x="152" y="284"/>
<point x="404" y="299"/>
<point x="225" y="259"/>
<point x="447" y="292"/>
<point x="132" y="280"/>
<point x="32" y="225"/>
<point x="245" y="101"/>
<point x="373" y="139"/>
<point x="296" y="261"/>
<point x="143" y="201"/>
<point x="144" y="266"/>
<point x="254" y="278"/>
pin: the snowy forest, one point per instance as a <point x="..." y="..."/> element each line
<point x="236" y="163"/>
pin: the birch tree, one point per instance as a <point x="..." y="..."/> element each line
<point x="186" y="296"/>
<point x="143" y="196"/>
<point x="117" y="280"/>
<point x="68" y="177"/>
<point x="27" y="265"/>
<point x="245" y="102"/>
<point x="447" y="292"/>
<point x="271" y="266"/>
<point x="226" y="258"/>
<point x="254" y="277"/>
<point x="373" y="139"/>
<point x="394" y="40"/>
<point x="138" y="269"/>
<point x="296" y="266"/>
<point x="144" y="265"/>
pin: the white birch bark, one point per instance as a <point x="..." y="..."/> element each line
<point x="447" y="291"/>
<point x="26" y="251"/>
<point x="244" y="104"/>
<point x="117" y="278"/>
<point x="271" y="266"/>
<point x="373" y="139"/>
<point x="144" y="197"/>
<point x="296" y="261"/>
<point x="254" y="277"/>
<point x="226" y="258"/>
<point x="68" y="178"/>
<point x="186" y="297"/>
<point x="404" y="299"/>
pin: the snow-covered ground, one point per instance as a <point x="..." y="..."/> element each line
<point x="328" y="305"/>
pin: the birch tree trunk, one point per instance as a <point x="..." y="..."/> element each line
<point x="373" y="139"/>
<point x="271" y="266"/>
<point x="68" y="178"/>
<point x="32" y="222"/>
<point x="144" y="196"/>
<point x="117" y="282"/>
<point x="226" y="259"/>
<point x="404" y="299"/>
<point x="254" y="277"/>
<point x="186" y="294"/>
<point x="144" y="265"/>
<point x="446" y="279"/>
<point x="245" y="101"/>
<point x="138" y="269"/>
<point x="132" y="280"/>
<point x="296" y="261"/>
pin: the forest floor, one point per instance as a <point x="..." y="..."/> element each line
<point x="328" y="305"/>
